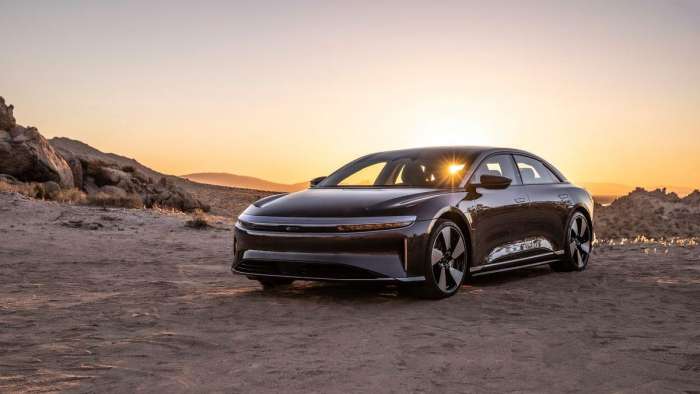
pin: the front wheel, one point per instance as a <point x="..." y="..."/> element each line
<point x="446" y="263"/>
<point x="579" y="242"/>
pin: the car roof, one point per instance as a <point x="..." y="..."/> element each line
<point x="474" y="153"/>
<point x="469" y="150"/>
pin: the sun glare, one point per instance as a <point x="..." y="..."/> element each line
<point x="450" y="123"/>
<point x="455" y="168"/>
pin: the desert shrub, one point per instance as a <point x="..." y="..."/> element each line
<point x="42" y="191"/>
<point x="102" y="199"/>
<point x="33" y="190"/>
<point x="72" y="195"/>
<point x="21" y="188"/>
<point x="198" y="221"/>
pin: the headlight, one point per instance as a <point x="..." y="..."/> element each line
<point x="322" y="224"/>
<point x="372" y="226"/>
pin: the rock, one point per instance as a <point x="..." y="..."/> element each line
<point x="26" y="155"/>
<point x="89" y="185"/>
<point x="77" y="170"/>
<point x="113" y="191"/>
<point x="82" y="225"/>
<point x="9" y="179"/>
<point x="7" y="119"/>
<point x="692" y="198"/>
<point x="111" y="176"/>
<point x="51" y="189"/>
<point x="75" y="165"/>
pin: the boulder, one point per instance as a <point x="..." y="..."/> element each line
<point x="111" y="176"/>
<point x="76" y="166"/>
<point x="9" y="179"/>
<point x="7" y="119"/>
<point x="26" y="155"/>
<point x="51" y="189"/>
<point x="113" y="191"/>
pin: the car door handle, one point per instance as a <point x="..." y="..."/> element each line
<point x="564" y="196"/>
<point x="520" y="200"/>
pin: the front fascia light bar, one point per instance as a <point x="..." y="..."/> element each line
<point x="323" y="224"/>
<point x="372" y="226"/>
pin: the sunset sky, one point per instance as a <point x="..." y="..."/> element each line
<point x="608" y="91"/>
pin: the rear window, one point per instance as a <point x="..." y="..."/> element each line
<point x="533" y="171"/>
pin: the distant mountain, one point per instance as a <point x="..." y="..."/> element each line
<point x="242" y="181"/>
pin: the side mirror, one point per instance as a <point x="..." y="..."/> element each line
<point x="493" y="182"/>
<point x="316" y="181"/>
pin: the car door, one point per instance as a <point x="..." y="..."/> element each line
<point x="495" y="214"/>
<point x="549" y="204"/>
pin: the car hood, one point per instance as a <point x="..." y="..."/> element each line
<point x="337" y="202"/>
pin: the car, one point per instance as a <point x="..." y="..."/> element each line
<point x="425" y="219"/>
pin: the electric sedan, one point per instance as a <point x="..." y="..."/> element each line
<point x="425" y="218"/>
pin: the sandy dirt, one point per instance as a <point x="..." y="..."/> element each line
<point x="131" y="300"/>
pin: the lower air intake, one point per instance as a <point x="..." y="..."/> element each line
<point x="304" y="270"/>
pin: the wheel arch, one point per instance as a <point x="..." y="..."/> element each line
<point x="458" y="217"/>
<point x="579" y="209"/>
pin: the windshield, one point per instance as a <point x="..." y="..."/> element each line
<point x="432" y="170"/>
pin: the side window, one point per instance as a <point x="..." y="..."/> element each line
<point x="534" y="172"/>
<point x="501" y="165"/>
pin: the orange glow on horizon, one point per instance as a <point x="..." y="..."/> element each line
<point x="287" y="92"/>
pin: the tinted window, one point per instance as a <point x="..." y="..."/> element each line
<point x="534" y="172"/>
<point x="501" y="165"/>
<point x="414" y="169"/>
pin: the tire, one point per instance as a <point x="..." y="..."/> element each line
<point x="579" y="244"/>
<point x="446" y="263"/>
<point x="271" y="283"/>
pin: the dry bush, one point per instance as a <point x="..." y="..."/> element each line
<point x="72" y="195"/>
<point x="21" y="188"/>
<point x="198" y="221"/>
<point x="101" y="199"/>
<point x="39" y="191"/>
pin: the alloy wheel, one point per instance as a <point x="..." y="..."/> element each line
<point x="448" y="258"/>
<point x="580" y="240"/>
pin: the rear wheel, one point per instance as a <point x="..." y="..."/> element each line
<point x="446" y="263"/>
<point x="579" y="242"/>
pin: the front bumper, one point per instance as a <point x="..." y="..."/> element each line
<point x="391" y="255"/>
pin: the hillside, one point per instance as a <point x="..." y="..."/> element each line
<point x="226" y="201"/>
<point x="653" y="214"/>
<point x="242" y="181"/>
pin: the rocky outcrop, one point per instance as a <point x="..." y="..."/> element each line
<point x="7" y="119"/>
<point x="26" y="155"/>
<point x="653" y="214"/>
<point x="692" y="198"/>
<point x="107" y="179"/>
<point x="75" y="166"/>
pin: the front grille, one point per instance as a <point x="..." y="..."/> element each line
<point x="305" y="270"/>
<point x="287" y="228"/>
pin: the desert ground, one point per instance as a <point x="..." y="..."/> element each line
<point x="131" y="300"/>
